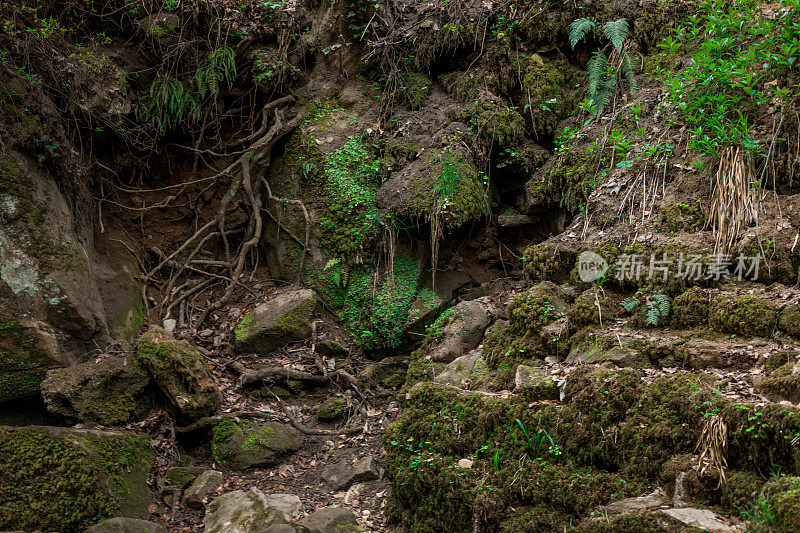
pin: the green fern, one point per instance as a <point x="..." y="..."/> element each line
<point x="219" y="66"/>
<point x="616" y="31"/>
<point x="629" y="304"/>
<point x="578" y="30"/>
<point x="167" y="104"/>
<point x="606" y="71"/>
<point x="597" y="67"/>
<point x="656" y="310"/>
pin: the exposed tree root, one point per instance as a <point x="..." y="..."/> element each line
<point x="183" y="276"/>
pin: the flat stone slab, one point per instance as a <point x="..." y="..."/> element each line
<point x="702" y="518"/>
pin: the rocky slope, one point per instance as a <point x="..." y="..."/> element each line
<point x="399" y="266"/>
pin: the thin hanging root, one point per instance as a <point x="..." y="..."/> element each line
<point x="735" y="198"/>
<point x="713" y="446"/>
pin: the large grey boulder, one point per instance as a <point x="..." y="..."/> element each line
<point x="109" y="392"/>
<point x="180" y="373"/>
<point x="457" y="331"/>
<point x="250" y="512"/>
<point x="243" y="444"/>
<point x="344" y="473"/>
<point x="463" y="369"/>
<point x="329" y="520"/>
<point x="202" y="487"/>
<point x="284" y="318"/>
<point x="52" y="301"/>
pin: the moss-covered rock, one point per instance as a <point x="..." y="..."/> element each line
<point x="592" y="306"/>
<point x="547" y="262"/>
<point x="790" y="320"/>
<point x="443" y="184"/>
<point x="784" y="504"/>
<point x="613" y="436"/>
<point x="536" y="307"/>
<point x="282" y="319"/>
<point x="332" y="409"/>
<point x="109" y="392"/>
<point x="691" y="308"/>
<point x="180" y="373"/>
<point x="414" y="89"/>
<point x="782" y="384"/>
<point x="535" y="383"/>
<point x="182" y="476"/>
<point x="61" y="479"/>
<point x="748" y="314"/>
<point x="549" y="90"/>
<point x="499" y="124"/>
<point x="456" y="331"/>
<point x="241" y="444"/>
<point x="27" y="350"/>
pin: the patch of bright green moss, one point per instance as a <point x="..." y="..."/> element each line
<point x="747" y="314"/>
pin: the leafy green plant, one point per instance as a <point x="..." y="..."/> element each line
<point x="497" y="463"/>
<point x="167" y="104"/>
<point x="744" y="60"/>
<point x="535" y="442"/>
<point x="654" y="310"/>
<point x="219" y="66"/>
<point x="607" y="71"/>
<point x="759" y="515"/>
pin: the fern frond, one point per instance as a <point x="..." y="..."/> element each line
<point x="629" y="304"/>
<point x="616" y="31"/>
<point x="601" y="100"/>
<point x="579" y="28"/>
<point x="651" y="316"/>
<point x="219" y="66"/>
<point x="597" y="68"/>
<point x="628" y="71"/>
<point x="662" y="301"/>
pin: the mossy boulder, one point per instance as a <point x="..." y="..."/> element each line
<point x="591" y="307"/>
<point x="28" y="349"/>
<point x="62" y="479"/>
<point x="182" y="476"/>
<point x="443" y="184"/>
<point x="109" y="392"/>
<point x="457" y="331"/>
<point x="549" y="90"/>
<point x="414" y="89"/>
<point x="241" y="444"/>
<point x="782" y="384"/>
<point x="528" y="333"/>
<point x="332" y="409"/>
<point x="748" y="314"/>
<point x="691" y="308"/>
<point x="535" y="383"/>
<point x="548" y="262"/>
<point x="180" y="373"/>
<point x="790" y="320"/>
<point x="283" y="319"/>
<point x="250" y="512"/>
<point x="535" y="308"/>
